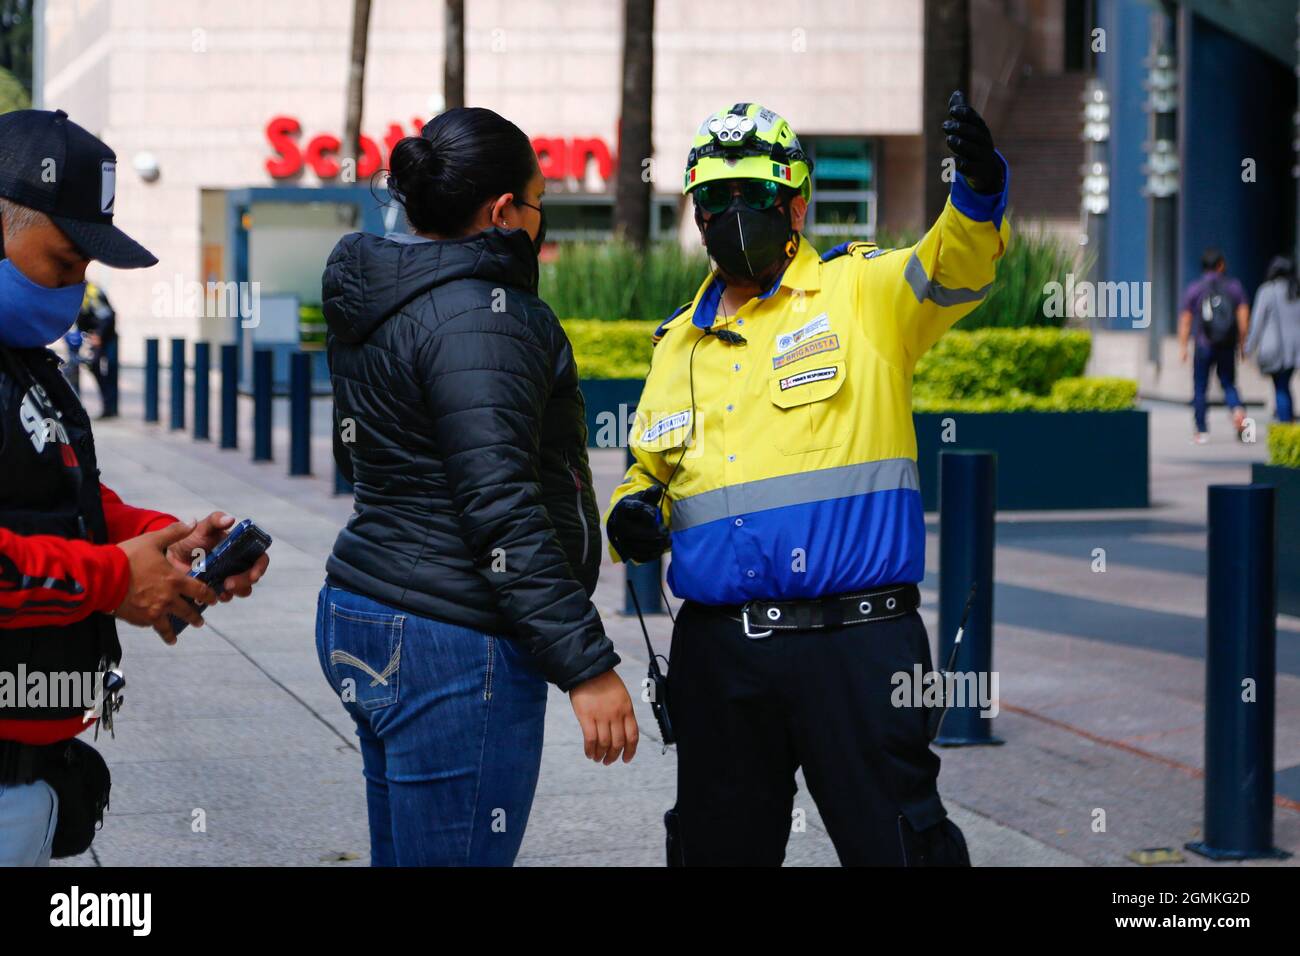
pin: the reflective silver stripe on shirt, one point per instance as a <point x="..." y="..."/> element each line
<point x="767" y="493"/>
<point x="923" y="287"/>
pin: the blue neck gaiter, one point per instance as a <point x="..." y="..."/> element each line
<point x="31" y="315"/>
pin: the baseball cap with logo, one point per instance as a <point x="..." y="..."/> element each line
<point x="50" y="164"/>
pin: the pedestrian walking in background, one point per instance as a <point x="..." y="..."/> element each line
<point x="97" y="322"/>
<point x="1274" y="337"/>
<point x="1215" y="316"/>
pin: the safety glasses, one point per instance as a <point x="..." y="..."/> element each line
<point x="715" y="197"/>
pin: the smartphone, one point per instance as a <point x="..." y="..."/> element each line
<point x="237" y="552"/>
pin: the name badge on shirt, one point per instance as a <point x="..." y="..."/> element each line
<point x="827" y="343"/>
<point x="808" y="377"/>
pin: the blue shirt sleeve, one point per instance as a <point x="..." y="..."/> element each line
<point x="982" y="207"/>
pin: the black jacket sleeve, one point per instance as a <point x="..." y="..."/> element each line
<point x="342" y="453"/>
<point x="486" y="387"/>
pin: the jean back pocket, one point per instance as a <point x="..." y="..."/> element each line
<point x="365" y="655"/>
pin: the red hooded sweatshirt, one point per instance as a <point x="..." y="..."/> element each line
<point x="101" y="570"/>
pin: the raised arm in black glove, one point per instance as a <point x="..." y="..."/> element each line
<point x="972" y="143"/>
<point x="636" y="528"/>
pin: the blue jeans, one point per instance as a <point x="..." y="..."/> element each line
<point x="1223" y="359"/>
<point x="1282" y="394"/>
<point x="28" y="815"/>
<point x="450" y="722"/>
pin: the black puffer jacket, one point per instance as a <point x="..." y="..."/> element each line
<point x="459" y="421"/>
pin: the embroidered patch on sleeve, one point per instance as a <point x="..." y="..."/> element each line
<point x="667" y="424"/>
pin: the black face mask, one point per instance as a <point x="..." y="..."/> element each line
<point x="541" y="231"/>
<point x="541" y="224"/>
<point x="748" y="243"/>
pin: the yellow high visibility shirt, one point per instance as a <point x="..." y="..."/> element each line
<point x="792" y="455"/>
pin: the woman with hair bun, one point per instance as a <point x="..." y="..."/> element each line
<point x="462" y="582"/>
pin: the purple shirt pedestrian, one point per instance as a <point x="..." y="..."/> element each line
<point x="1209" y="281"/>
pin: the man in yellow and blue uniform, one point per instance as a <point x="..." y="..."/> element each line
<point x="775" y="457"/>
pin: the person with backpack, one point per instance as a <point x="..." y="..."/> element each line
<point x="1275" y="332"/>
<point x="1216" y="316"/>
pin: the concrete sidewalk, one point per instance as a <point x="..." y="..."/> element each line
<point x="1102" y="683"/>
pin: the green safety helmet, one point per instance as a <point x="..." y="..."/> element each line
<point x="748" y="141"/>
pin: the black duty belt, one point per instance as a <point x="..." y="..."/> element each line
<point x="762" y="618"/>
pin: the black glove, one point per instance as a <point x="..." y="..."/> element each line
<point x="971" y="142"/>
<point x="636" y="528"/>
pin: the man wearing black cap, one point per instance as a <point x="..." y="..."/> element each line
<point x="73" y="556"/>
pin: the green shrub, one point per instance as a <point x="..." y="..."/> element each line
<point x="1019" y="293"/>
<point x="13" y="95"/>
<point x="611" y="348"/>
<point x="996" y="363"/>
<point x="1068" y="395"/>
<point x="311" y="324"/>
<point x="1284" y="445"/>
<point x="1102" y="394"/>
<point x="1013" y="401"/>
<point x="613" y="280"/>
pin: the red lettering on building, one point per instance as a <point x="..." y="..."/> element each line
<point x="287" y="159"/>
<point x="582" y="151"/>
<point x="319" y="153"/>
<point x="558" y="158"/>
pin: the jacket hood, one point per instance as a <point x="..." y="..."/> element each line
<point x="368" y="277"/>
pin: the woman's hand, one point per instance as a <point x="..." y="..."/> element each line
<point x="207" y="534"/>
<point x="604" y="710"/>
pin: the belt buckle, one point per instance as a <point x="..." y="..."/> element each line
<point x="744" y="620"/>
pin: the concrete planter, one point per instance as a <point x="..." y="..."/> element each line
<point x="1046" y="460"/>
<point x="1287" y="482"/>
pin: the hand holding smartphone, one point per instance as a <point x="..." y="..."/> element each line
<point x="236" y="553"/>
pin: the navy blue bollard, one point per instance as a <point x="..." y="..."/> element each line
<point x="1240" y="674"/>
<point x="202" y="390"/>
<point x="341" y="485"/>
<point x="151" y="380"/>
<point x="263" y="368"/>
<point x="109" y="392"/>
<point x="300" y="413"/>
<point x="643" y="579"/>
<point x="229" y="396"/>
<point x="178" y="385"/>
<point x="967" y="503"/>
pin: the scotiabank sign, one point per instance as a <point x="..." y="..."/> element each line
<point x="559" y="158"/>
